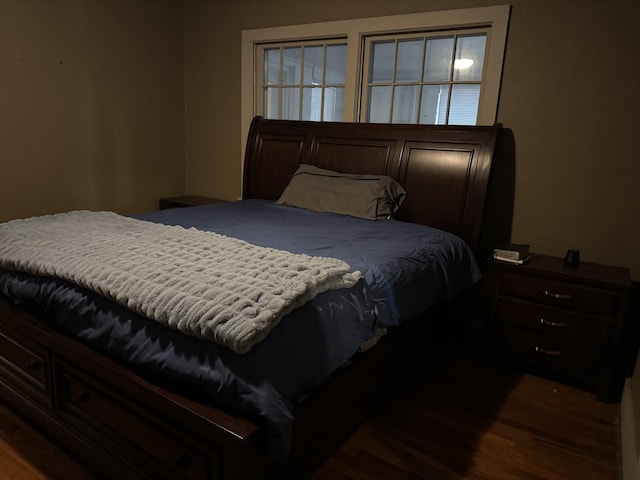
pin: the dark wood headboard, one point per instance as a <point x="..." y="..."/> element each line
<point x="445" y="169"/>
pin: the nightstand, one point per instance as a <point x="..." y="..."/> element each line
<point x="564" y="320"/>
<point x="186" y="201"/>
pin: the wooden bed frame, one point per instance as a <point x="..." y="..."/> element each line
<point x="123" y="425"/>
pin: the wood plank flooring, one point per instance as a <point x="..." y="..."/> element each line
<point x="26" y="455"/>
<point x="457" y="419"/>
<point x="462" y="419"/>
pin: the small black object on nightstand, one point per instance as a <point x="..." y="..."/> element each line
<point x="572" y="258"/>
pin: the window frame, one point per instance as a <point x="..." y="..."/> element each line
<point x="355" y="31"/>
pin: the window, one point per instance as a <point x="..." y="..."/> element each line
<point x="303" y="82"/>
<point x="433" y="67"/>
<point x="432" y="79"/>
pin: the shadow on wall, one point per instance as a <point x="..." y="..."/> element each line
<point x="498" y="214"/>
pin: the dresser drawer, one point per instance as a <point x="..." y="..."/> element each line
<point x="169" y="452"/>
<point x="558" y="293"/>
<point x="552" y="321"/>
<point x="576" y="358"/>
<point x="27" y="360"/>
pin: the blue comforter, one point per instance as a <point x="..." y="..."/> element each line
<point x="406" y="269"/>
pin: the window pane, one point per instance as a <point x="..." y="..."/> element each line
<point x="469" y="58"/>
<point x="336" y="64"/>
<point x="291" y="71"/>
<point x="405" y="104"/>
<point x="409" y="65"/>
<point x="311" y="103"/>
<point x="295" y="81"/>
<point x="333" y="104"/>
<point x="433" y="107"/>
<point x="313" y="65"/>
<point x="432" y="79"/>
<point x="290" y="104"/>
<point x="437" y="65"/>
<point x="379" y="104"/>
<point x="272" y="62"/>
<point x="271" y="103"/>
<point x="464" y="104"/>
<point x="383" y="59"/>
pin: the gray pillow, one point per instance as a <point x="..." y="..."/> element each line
<point x="365" y="196"/>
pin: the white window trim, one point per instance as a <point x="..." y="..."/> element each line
<point x="497" y="17"/>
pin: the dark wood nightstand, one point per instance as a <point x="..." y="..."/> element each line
<point x="186" y="201"/>
<point x="565" y="320"/>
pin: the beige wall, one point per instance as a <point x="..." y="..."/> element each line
<point x="569" y="95"/>
<point x="91" y="104"/>
<point x="93" y="96"/>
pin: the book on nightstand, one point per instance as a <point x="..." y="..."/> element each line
<point x="514" y="252"/>
<point x="511" y="260"/>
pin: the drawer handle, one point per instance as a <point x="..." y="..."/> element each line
<point x="552" y="353"/>
<point x="550" y="323"/>
<point x="559" y="296"/>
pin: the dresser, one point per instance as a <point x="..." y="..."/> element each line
<point x="567" y="321"/>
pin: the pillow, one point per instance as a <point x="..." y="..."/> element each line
<point x="365" y="196"/>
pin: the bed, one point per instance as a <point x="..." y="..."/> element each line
<point x="133" y="397"/>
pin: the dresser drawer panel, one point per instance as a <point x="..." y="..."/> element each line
<point x="551" y="351"/>
<point x="175" y="458"/>
<point x="28" y="360"/>
<point x="558" y="293"/>
<point x="552" y="321"/>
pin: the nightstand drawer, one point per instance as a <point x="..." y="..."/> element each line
<point x="558" y="293"/>
<point x="564" y="355"/>
<point x="552" y="321"/>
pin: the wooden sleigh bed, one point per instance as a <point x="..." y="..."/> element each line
<point x="123" y="422"/>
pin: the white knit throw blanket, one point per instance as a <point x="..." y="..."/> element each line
<point x="204" y="284"/>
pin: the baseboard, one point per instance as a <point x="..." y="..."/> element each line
<point x="628" y="448"/>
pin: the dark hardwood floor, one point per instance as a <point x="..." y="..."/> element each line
<point x="457" y="419"/>
<point x="465" y="419"/>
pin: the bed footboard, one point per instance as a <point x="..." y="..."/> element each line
<point x="106" y="415"/>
